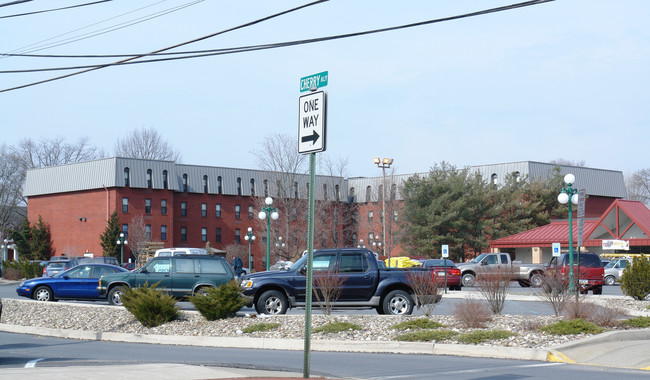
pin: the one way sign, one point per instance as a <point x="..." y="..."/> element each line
<point x="312" y="122"/>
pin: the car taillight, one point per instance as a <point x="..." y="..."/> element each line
<point x="454" y="272"/>
<point x="44" y="271"/>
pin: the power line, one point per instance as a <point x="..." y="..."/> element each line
<point x="49" y="10"/>
<point x="259" y="47"/>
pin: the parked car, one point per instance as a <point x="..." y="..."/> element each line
<point x="58" y="266"/>
<point x="614" y="271"/>
<point x="364" y="285"/>
<point x="78" y="283"/>
<point x="439" y="266"/>
<point x="588" y="270"/>
<point x="99" y="260"/>
<point x="179" y="276"/>
<point x="526" y="274"/>
<point x="180" y="251"/>
<point x="129" y="266"/>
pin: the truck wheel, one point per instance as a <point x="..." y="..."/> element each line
<point x="115" y="296"/>
<point x="597" y="290"/>
<point x="610" y="280"/>
<point x="468" y="279"/>
<point x="536" y="280"/>
<point x="272" y="302"/>
<point x="398" y="302"/>
<point x="524" y="283"/>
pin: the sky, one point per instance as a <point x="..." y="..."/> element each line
<point x="567" y="79"/>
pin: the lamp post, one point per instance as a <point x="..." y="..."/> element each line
<point x="360" y="245"/>
<point x="384" y="164"/>
<point x="250" y="238"/>
<point x="569" y="193"/>
<point x="121" y="242"/>
<point x="279" y="245"/>
<point x="273" y="215"/>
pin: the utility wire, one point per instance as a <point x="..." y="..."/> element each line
<point x="262" y="47"/>
<point x="50" y="10"/>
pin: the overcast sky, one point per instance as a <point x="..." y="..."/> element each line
<point x="566" y="79"/>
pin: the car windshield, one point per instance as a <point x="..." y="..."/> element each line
<point x="479" y="258"/>
<point x="57" y="264"/>
<point x="610" y="264"/>
<point x="299" y="263"/>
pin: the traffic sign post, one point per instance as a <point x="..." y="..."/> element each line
<point x="445" y="254"/>
<point x="312" y="122"/>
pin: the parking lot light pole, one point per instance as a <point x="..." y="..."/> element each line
<point x="250" y="238"/>
<point x="273" y="213"/>
<point x="569" y="193"/>
<point x="384" y="164"/>
<point x="121" y="242"/>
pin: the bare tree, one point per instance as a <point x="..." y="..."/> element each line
<point x="638" y="186"/>
<point x="328" y="286"/>
<point x="10" y="194"/>
<point x="147" y="144"/>
<point x="426" y="290"/>
<point x="565" y="162"/>
<point x="333" y="218"/>
<point x="493" y="284"/>
<point x="555" y="291"/>
<point x="138" y="237"/>
<point x="237" y="250"/>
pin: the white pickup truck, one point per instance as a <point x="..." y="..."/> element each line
<point x="527" y="275"/>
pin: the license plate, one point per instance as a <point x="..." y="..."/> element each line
<point x="584" y="282"/>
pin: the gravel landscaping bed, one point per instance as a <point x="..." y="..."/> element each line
<point x="373" y="327"/>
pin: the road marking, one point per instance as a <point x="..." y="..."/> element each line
<point x="32" y="363"/>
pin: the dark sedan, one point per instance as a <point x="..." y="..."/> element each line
<point x="78" y="283"/>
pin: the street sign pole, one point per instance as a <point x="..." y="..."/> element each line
<point x="310" y="261"/>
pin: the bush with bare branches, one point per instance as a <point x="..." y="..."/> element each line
<point x="327" y="288"/>
<point x="472" y="313"/>
<point x="555" y="291"/>
<point x="426" y="290"/>
<point x="493" y="284"/>
<point x="602" y="316"/>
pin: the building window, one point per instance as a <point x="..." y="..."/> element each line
<point x="295" y="190"/>
<point x="204" y="209"/>
<point x="337" y="192"/>
<point x="165" y="182"/>
<point x="494" y="179"/>
<point x="380" y="193"/>
<point x="517" y="177"/>
<point x="294" y="214"/>
<point x="351" y="195"/>
<point x="185" y="182"/>
<point x="204" y="234"/>
<point x="250" y="212"/>
<point x="393" y="192"/>
<point x="149" y="179"/>
<point x="237" y="211"/>
<point x="147" y="206"/>
<point x="217" y="236"/>
<point x="325" y="191"/>
<point x="125" y="204"/>
<point x="183" y="233"/>
<point x="126" y="177"/>
<point x="238" y="186"/>
<point x="395" y="216"/>
<point x="183" y="208"/>
<point x="370" y="215"/>
<point x="266" y="188"/>
<point x="205" y="184"/>
<point x="237" y="235"/>
<point x="218" y="210"/>
<point x="252" y="187"/>
<point x="163" y="232"/>
<point x="125" y="231"/>
<point x="219" y="185"/>
<point x="163" y="206"/>
<point x="368" y="194"/>
<point x="147" y="232"/>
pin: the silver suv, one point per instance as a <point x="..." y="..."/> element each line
<point x="614" y="271"/>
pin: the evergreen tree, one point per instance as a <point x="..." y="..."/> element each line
<point x="110" y="236"/>
<point x="33" y="242"/>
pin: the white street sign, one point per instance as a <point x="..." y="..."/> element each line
<point x="556" y="249"/>
<point x="445" y="251"/>
<point x="312" y="122"/>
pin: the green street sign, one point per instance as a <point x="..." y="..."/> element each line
<point x="315" y="81"/>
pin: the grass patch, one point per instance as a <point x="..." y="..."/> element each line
<point x="421" y="323"/>
<point x="572" y="327"/>
<point x="260" y="327"/>
<point x="335" y="327"/>
<point x="426" y="336"/>
<point x="641" y="322"/>
<point x="480" y="336"/>
<point x="648" y="307"/>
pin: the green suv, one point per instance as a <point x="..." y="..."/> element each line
<point x="180" y="276"/>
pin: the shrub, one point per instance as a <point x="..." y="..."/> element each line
<point x="472" y="313"/>
<point x="426" y="336"/>
<point x="22" y="268"/>
<point x="577" y="309"/>
<point x="421" y="323"/>
<point x="260" y="327"/>
<point x="641" y="322"/>
<point x="605" y="316"/>
<point x="219" y="303"/>
<point x="555" y="291"/>
<point x="11" y="274"/>
<point x="480" y="336"/>
<point x="327" y="288"/>
<point x="493" y="284"/>
<point x="635" y="281"/>
<point x="150" y="306"/>
<point x="335" y="327"/>
<point x="572" y="327"/>
<point x="426" y="290"/>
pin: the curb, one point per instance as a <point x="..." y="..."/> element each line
<point x="390" y="347"/>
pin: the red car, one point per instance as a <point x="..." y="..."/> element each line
<point x="588" y="271"/>
<point x="453" y="273"/>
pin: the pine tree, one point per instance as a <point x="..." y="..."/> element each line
<point x="110" y="236"/>
<point x="41" y="243"/>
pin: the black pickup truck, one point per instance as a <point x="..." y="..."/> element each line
<point x="364" y="285"/>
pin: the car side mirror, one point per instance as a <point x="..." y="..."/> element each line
<point x="144" y="270"/>
<point x="65" y="276"/>
<point x="303" y="271"/>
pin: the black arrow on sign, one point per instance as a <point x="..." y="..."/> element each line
<point x="313" y="138"/>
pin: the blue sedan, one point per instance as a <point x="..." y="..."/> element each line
<point x="78" y="283"/>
